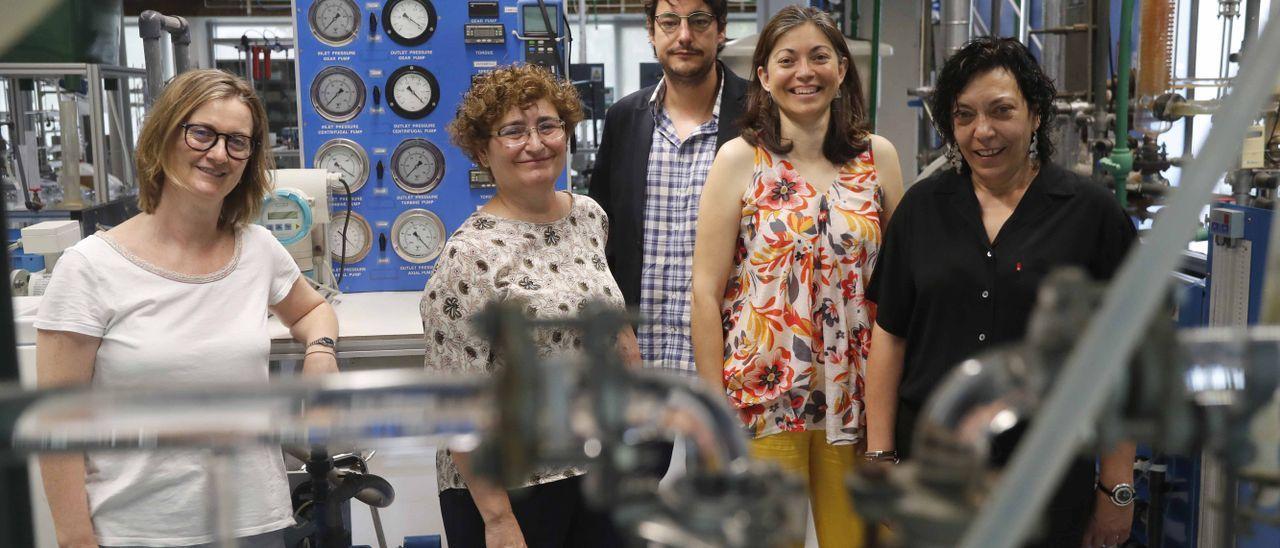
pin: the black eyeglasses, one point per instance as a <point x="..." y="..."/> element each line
<point x="201" y="138"/>
<point x="699" y="21"/>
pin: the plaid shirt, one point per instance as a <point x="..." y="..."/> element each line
<point x="676" y="172"/>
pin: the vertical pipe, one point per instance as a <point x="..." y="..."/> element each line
<point x="69" y="178"/>
<point x="875" y="63"/>
<point x="1193" y="34"/>
<point x="1251" y="9"/>
<point x="996" y="7"/>
<point x="97" y="134"/>
<point x="1024" y="22"/>
<point x="955" y="26"/>
<point x="1100" y="71"/>
<point x="582" y="34"/>
<point x="1121" y="160"/>
<point x="181" y="52"/>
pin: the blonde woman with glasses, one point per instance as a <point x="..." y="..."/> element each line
<point x="178" y="296"/>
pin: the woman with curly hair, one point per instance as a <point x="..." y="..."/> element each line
<point x="965" y="255"/>
<point x="788" y="233"/>
<point x="531" y="244"/>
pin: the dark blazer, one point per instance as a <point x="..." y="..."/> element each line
<point x="619" y="177"/>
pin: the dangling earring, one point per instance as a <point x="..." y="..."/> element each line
<point x="1034" y="153"/>
<point x="954" y="158"/>
<point x="839" y="94"/>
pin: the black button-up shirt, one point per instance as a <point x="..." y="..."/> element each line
<point x="951" y="293"/>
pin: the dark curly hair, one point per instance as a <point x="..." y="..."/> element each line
<point x="985" y="54"/>
<point x="847" y="135"/>
<point x="494" y="93"/>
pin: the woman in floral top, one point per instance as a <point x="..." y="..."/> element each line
<point x="788" y="232"/>
<point x="529" y="244"/>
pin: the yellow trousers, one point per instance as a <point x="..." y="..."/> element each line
<point x="823" y="467"/>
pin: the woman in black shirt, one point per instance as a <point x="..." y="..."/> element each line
<point x="965" y="253"/>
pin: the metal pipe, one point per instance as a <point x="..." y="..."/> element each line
<point x="1251" y="9"/>
<point x="97" y="134"/>
<point x="1141" y="285"/>
<point x="151" y="26"/>
<point x="582" y="36"/>
<point x="1193" y="32"/>
<point x="955" y="26"/>
<point x="996" y="7"/>
<point x="1120" y="163"/>
<point x="1100" y="71"/>
<point x="1024" y="23"/>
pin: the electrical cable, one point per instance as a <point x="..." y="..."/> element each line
<point x="555" y="36"/>
<point x="346" y="222"/>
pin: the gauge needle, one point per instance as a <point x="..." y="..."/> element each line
<point x="424" y="242"/>
<point x="336" y="16"/>
<point x="343" y="169"/>
<point x="415" y="94"/>
<point x="335" y="96"/>
<point x="415" y="168"/>
<point x="411" y="20"/>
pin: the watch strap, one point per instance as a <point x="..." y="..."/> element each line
<point x="324" y="341"/>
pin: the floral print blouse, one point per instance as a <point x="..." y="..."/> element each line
<point x="555" y="269"/>
<point x="796" y="318"/>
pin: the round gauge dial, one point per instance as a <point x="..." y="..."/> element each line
<point x="418" y="236"/>
<point x="358" y="236"/>
<point x="334" y="22"/>
<point x="409" y="22"/>
<point x="337" y="94"/>
<point x="414" y="92"/>
<point x="417" y="166"/>
<point x="287" y="215"/>
<point x="346" y="158"/>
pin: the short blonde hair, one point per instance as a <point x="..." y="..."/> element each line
<point x="186" y="93"/>
<point x="493" y="94"/>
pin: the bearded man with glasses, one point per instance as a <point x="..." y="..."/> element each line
<point x="657" y="147"/>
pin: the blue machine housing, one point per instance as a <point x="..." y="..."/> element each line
<point x="378" y="129"/>
<point x="1175" y="477"/>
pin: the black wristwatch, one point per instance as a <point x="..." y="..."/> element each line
<point x="882" y="456"/>
<point x="1121" y="495"/>
<point x="324" y="341"/>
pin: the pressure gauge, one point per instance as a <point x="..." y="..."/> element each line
<point x="417" y="166"/>
<point x="334" y="22"/>
<point x="413" y="92"/>
<point x="346" y="158"/>
<point x="337" y="93"/>
<point x="287" y="214"/>
<point x="409" y="22"/>
<point x="358" y="235"/>
<point x="418" y="236"/>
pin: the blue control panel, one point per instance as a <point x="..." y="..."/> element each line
<point x="379" y="81"/>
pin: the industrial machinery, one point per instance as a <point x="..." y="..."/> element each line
<point x="379" y="82"/>
<point x="591" y="411"/>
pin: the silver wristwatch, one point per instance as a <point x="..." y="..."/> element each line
<point x="1121" y="495"/>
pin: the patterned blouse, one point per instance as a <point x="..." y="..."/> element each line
<point x="554" y="268"/>
<point x="797" y="323"/>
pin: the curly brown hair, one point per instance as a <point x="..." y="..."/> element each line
<point x="494" y="93"/>
<point x="163" y="131"/>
